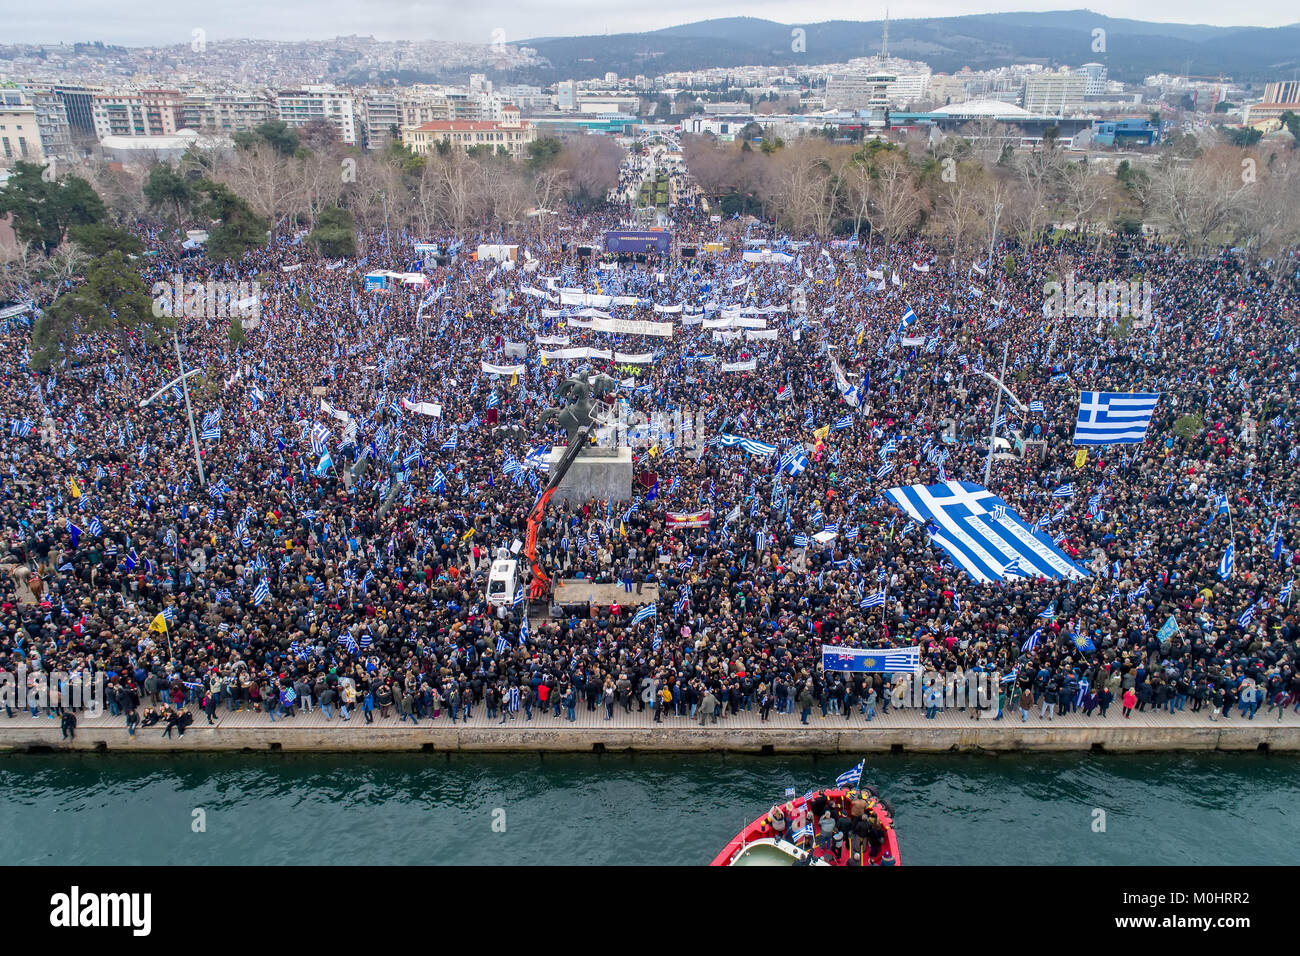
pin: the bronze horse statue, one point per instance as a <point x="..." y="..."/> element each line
<point x="582" y="395"/>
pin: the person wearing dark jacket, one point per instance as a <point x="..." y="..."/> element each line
<point x="68" y="725"/>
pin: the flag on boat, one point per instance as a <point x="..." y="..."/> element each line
<point x="851" y="777"/>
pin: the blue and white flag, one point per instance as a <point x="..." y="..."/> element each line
<point x="1065" y="491"/>
<point x="908" y="318"/>
<point x="1285" y="594"/>
<point x="262" y="593"/>
<point x="885" y="470"/>
<point x="754" y="447"/>
<point x="1035" y="406"/>
<point x="1114" y="418"/>
<point x="1225" y="565"/>
<point x="646" y="612"/>
<point x="875" y="599"/>
<point x="1246" y="616"/>
<point x="851" y="777"/>
<point x="986" y="542"/>
<point x="882" y="660"/>
<point x="1032" y="641"/>
<point x="794" y="462"/>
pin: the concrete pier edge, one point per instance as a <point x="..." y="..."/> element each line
<point x="1235" y="736"/>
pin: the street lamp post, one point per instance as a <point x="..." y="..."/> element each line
<point x="997" y="409"/>
<point x="183" y="380"/>
<point x="993" y="239"/>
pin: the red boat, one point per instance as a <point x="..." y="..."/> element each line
<point x="784" y="836"/>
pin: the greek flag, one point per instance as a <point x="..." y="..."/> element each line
<point x="1244" y="620"/>
<point x="885" y="470"/>
<point x="875" y="599"/>
<point x="851" y="777"/>
<point x="804" y="831"/>
<point x="962" y="519"/>
<point x="493" y="400"/>
<point x="646" y="612"/>
<point x="801" y="541"/>
<point x="843" y="423"/>
<point x="794" y="462"/>
<point x="908" y="318"/>
<point x="450" y="443"/>
<point x="1225" y="566"/>
<point x="1114" y="418"/>
<point x="1036" y="406"/>
<point x="262" y="593"/>
<point x="1032" y="642"/>
<point x="95" y="527"/>
<point x="319" y="436"/>
<point x="1285" y="594"/>
<point x="1065" y="491"/>
<point x="439" y="481"/>
<point x="758" y="448"/>
<point x="502" y="644"/>
<point x="211" y="434"/>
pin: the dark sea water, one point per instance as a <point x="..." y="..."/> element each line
<point x="641" y="809"/>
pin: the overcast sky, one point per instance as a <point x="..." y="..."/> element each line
<point x="148" y="22"/>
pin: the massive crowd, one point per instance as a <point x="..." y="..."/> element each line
<point x="286" y="587"/>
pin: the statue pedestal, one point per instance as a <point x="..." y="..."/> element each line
<point x="595" y="473"/>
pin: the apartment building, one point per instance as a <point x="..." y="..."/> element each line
<point x="136" y="113"/>
<point x="228" y="111"/>
<point x="20" y="135"/>
<point x="381" y="113"/>
<point x="858" y="91"/>
<point x="510" y="133"/>
<point x="297" y="108"/>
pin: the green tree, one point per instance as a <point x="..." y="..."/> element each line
<point x="1246" y="136"/>
<point x="112" y="299"/>
<point x="1292" y="123"/>
<point x="542" y="152"/>
<point x="168" y="189"/>
<point x="335" y="233"/>
<point x="275" y="133"/>
<point x="236" y="332"/>
<point x="99" y="238"/>
<point x="44" y="210"/>
<point x="240" y="229"/>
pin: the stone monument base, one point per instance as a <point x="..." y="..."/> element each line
<point x="595" y="473"/>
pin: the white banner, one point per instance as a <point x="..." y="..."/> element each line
<point x="577" y="353"/>
<point x="625" y="327"/>
<point x="668" y="309"/>
<point x="752" y="335"/>
<point x="749" y="366"/>
<point x="432" y="409"/>
<point x="553" y="340"/>
<point x="912" y="340"/>
<point x="638" y="358"/>
<point x="491" y="369"/>
<point x="338" y="413"/>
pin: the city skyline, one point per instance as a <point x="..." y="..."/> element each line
<point x="153" y="23"/>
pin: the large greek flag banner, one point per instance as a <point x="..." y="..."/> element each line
<point x="871" y="660"/>
<point x="1114" y="418"/>
<point x="985" y="537"/>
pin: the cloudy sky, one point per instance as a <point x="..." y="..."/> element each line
<point x="138" y="22"/>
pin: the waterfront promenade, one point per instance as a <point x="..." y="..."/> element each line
<point x="904" y="729"/>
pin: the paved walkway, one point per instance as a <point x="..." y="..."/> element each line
<point x="588" y="721"/>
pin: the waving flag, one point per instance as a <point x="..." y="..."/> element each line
<point x="851" y="777"/>
<point x="646" y="612"/>
<point x="1225" y="565"/>
<point x="1114" y="418"/>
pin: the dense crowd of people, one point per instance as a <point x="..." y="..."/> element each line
<point x="289" y="581"/>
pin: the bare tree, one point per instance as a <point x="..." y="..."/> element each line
<point x="1198" y="202"/>
<point x="1087" y="195"/>
<point x="897" y="200"/>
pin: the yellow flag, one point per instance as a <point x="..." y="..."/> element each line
<point x="76" y="492"/>
<point x="159" y="624"/>
<point x="622" y="530"/>
<point x="1080" y="457"/>
<point x="654" y="450"/>
<point x="545" y="363"/>
<point x="822" y="432"/>
<point x="859" y="339"/>
<point x="468" y="534"/>
<point x="514" y="379"/>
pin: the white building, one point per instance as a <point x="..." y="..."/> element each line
<point x="297" y="108"/>
<point x="1054" y="94"/>
<point x="858" y="91"/>
<point x="1096" y="74"/>
<point x="20" y="135"/>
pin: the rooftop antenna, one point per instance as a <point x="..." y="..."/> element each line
<point x="884" y="38"/>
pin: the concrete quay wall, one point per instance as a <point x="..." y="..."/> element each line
<point x="1116" y="739"/>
